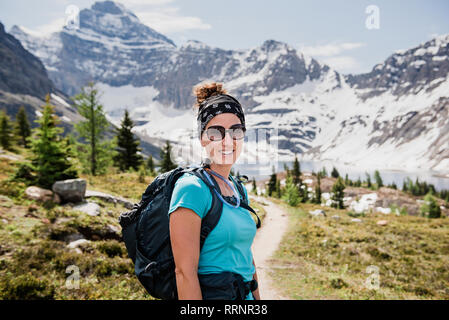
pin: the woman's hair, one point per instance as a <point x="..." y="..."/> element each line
<point x="204" y="91"/>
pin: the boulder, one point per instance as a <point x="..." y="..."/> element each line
<point x="71" y="190"/>
<point x="91" y="208"/>
<point x="382" y="222"/>
<point x="317" y="213"/>
<point x="40" y="194"/>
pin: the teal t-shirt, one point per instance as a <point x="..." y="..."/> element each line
<point x="228" y="245"/>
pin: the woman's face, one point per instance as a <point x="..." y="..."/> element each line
<point x="214" y="148"/>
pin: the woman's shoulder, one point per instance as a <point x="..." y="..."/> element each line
<point x="189" y="179"/>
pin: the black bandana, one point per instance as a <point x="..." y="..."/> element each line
<point x="217" y="104"/>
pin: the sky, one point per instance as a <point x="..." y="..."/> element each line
<point x="351" y="36"/>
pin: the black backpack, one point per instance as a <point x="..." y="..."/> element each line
<point x="145" y="230"/>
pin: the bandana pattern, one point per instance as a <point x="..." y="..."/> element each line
<point x="216" y="105"/>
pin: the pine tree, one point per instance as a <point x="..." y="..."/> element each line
<point x="324" y="172"/>
<point x="166" y="163"/>
<point x="317" y="198"/>
<point x="291" y="195"/>
<point x="334" y="173"/>
<point x="6" y="133"/>
<point x="338" y="194"/>
<point x="378" y="179"/>
<point x="430" y="207"/>
<point x="254" y="186"/>
<point x="272" y="183"/>
<point x="96" y="153"/>
<point x="278" y="192"/>
<point x="368" y="180"/>
<point x="296" y="171"/>
<point x="50" y="156"/>
<point x="346" y="180"/>
<point x="22" y="127"/>
<point x="128" y="147"/>
<point x="150" y="165"/>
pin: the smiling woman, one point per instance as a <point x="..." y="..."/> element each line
<point x="224" y="268"/>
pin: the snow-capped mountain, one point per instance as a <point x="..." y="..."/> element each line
<point x="381" y="119"/>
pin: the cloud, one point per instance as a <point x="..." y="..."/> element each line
<point x="46" y="29"/>
<point x="330" y="49"/>
<point x="167" y="20"/>
<point x="342" y="64"/>
<point x="335" y="55"/>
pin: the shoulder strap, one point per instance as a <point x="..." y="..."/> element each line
<point x="244" y="203"/>
<point x="210" y="220"/>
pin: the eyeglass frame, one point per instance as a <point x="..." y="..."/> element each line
<point x="223" y="131"/>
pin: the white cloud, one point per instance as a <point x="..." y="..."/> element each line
<point x="330" y="49"/>
<point x="45" y="29"/>
<point x="167" y="20"/>
<point x="343" y="64"/>
<point x="332" y="55"/>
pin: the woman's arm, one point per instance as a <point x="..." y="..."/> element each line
<point x="256" y="292"/>
<point x="185" y="227"/>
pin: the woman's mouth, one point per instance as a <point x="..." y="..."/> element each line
<point x="226" y="153"/>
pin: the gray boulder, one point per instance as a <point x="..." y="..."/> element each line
<point x="71" y="190"/>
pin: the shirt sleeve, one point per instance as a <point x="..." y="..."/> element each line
<point x="192" y="193"/>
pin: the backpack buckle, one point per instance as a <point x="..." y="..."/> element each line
<point x="150" y="265"/>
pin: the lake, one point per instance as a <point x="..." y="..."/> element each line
<point x="388" y="176"/>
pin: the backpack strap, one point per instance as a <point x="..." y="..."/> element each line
<point x="244" y="203"/>
<point x="210" y="220"/>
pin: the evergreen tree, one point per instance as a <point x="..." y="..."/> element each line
<point x="166" y="163"/>
<point x="22" y="127"/>
<point x="368" y="180"/>
<point x="150" y="165"/>
<point x="346" y="180"/>
<point x="334" y="173"/>
<point x="317" y="198"/>
<point x="430" y="207"/>
<point x="296" y="171"/>
<point x="378" y="179"/>
<point x="254" y="186"/>
<point x="50" y="156"/>
<point x="394" y="186"/>
<point x="6" y="133"/>
<point x="272" y="183"/>
<point x="358" y="183"/>
<point x="278" y="189"/>
<point x="128" y="147"/>
<point x="338" y="194"/>
<point x="404" y="186"/>
<point x="96" y="153"/>
<point x="291" y="195"/>
<point x="324" y="172"/>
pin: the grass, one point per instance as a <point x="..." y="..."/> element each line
<point x="329" y="258"/>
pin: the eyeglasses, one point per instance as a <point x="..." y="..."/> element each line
<point x="217" y="133"/>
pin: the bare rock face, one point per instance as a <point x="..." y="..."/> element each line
<point x="40" y="194"/>
<point x="71" y="190"/>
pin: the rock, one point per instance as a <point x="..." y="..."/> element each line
<point x="383" y="210"/>
<point x="109" y="198"/>
<point x="335" y="217"/>
<point x="71" y="190"/>
<point x="74" y="245"/>
<point x="39" y="194"/>
<point x="356" y="220"/>
<point x="382" y="222"/>
<point x="91" y="208"/>
<point x="318" y="213"/>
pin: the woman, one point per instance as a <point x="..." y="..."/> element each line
<point x="227" y="249"/>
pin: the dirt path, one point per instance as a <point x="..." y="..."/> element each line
<point x="266" y="242"/>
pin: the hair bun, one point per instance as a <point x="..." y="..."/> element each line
<point x="204" y="91"/>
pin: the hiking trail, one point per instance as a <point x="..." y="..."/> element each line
<point x="266" y="242"/>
